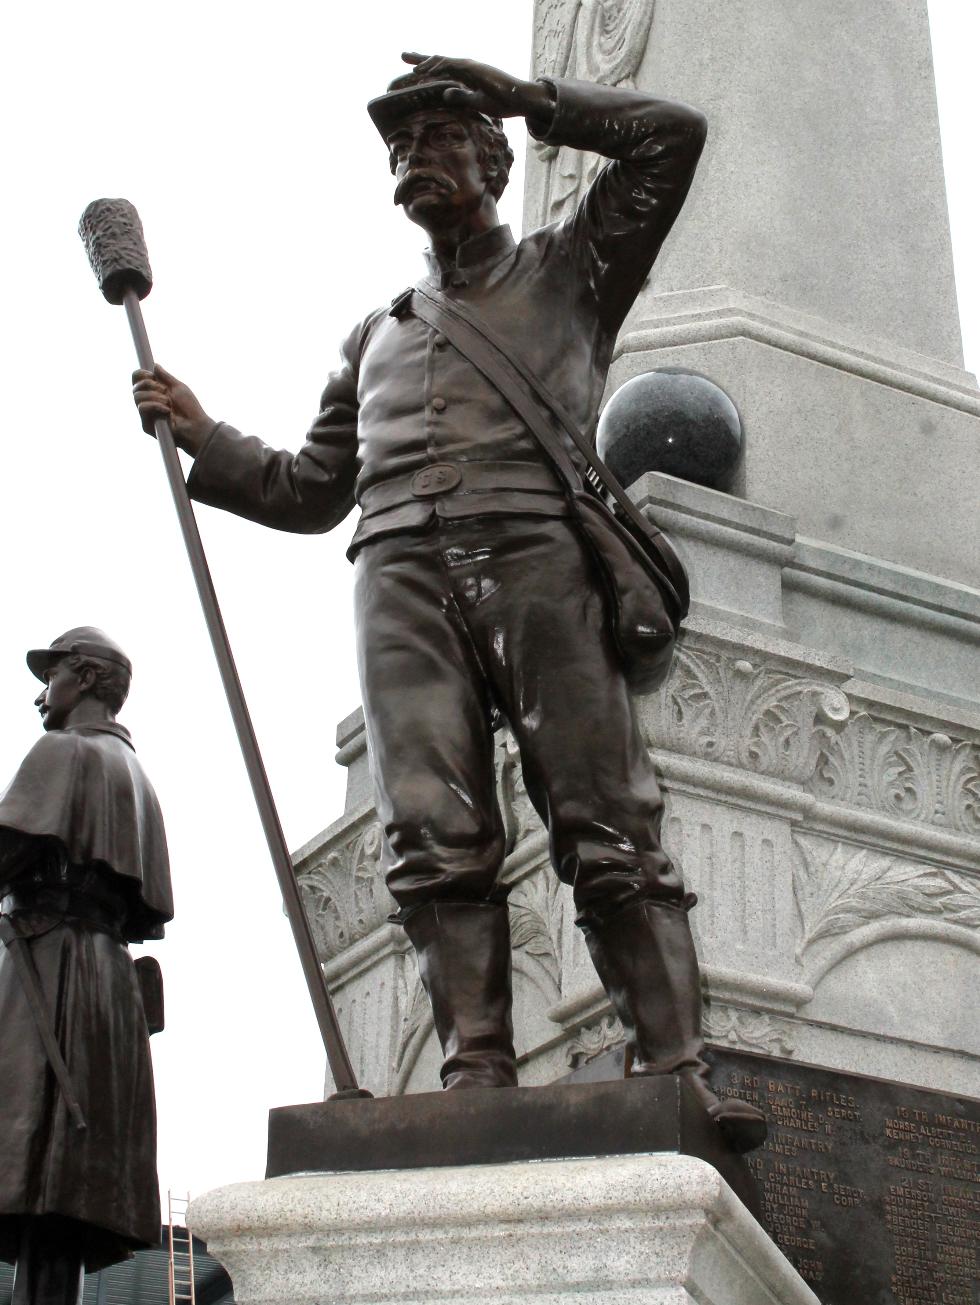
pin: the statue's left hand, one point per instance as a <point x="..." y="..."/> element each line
<point x="488" y="90"/>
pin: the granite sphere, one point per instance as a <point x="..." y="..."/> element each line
<point x="676" y="422"/>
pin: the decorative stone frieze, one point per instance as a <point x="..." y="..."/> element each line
<point x="745" y="712"/>
<point x="593" y="1040"/>
<point x="750" y="1030"/>
<point x="840" y="888"/>
<point x="343" y="890"/>
<point x="902" y="772"/>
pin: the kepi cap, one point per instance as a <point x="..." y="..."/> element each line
<point x="411" y="93"/>
<point x="86" y="641"/>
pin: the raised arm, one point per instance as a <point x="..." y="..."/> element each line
<point x="624" y="217"/>
<point x="621" y="223"/>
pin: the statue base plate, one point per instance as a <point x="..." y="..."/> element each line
<point x="482" y="1126"/>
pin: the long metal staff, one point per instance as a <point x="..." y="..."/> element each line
<point x="113" y="237"/>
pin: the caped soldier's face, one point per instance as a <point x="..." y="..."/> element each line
<point x="440" y="178"/>
<point x="62" y="692"/>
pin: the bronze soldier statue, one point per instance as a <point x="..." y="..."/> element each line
<point x="475" y="591"/>
<point x="83" y="872"/>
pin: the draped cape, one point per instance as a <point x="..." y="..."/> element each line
<point x="85" y="787"/>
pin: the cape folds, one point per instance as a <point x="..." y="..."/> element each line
<point x="85" y="787"/>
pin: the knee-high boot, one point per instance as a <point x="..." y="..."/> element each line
<point x="463" y="950"/>
<point x="644" y="955"/>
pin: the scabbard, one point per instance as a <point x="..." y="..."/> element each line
<point x="24" y="965"/>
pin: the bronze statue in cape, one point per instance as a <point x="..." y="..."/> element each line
<point x="478" y="591"/>
<point x="83" y="872"/>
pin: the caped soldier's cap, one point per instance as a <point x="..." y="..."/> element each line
<point x="412" y="92"/>
<point x="86" y="641"/>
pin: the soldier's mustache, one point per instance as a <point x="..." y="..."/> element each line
<point x="422" y="176"/>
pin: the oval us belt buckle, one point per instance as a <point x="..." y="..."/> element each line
<point x="437" y="478"/>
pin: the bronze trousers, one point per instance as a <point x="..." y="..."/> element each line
<point x="504" y="612"/>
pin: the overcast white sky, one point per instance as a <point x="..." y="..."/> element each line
<point x="238" y="130"/>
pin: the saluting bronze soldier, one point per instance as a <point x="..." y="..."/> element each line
<point x="83" y="872"/>
<point x="475" y="590"/>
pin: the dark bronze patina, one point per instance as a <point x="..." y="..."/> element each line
<point x="476" y="590"/>
<point x="557" y="1122"/>
<point x="83" y="872"/>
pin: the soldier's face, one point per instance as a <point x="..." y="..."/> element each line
<point x="439" y="176"/>
<point x="61" y="694"/>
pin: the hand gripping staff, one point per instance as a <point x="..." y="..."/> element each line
<point x="113" y="236"/>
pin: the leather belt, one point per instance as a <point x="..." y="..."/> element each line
<point x="436" y="479"/>
<point x="107" y="912"/>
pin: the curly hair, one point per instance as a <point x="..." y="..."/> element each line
<point x="112" y="681"/>
<point x="494" y="150"/>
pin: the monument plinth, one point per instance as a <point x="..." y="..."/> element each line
<point x="654" y="1229"/>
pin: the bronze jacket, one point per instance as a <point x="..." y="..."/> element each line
<point x="403" y="398"/>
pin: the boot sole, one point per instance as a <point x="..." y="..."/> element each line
<point x="742" y="1132"/>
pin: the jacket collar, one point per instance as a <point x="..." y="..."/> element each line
<point x="487" y="248"/>
<point x="105" y="727"/>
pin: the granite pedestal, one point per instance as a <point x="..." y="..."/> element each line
<point x="648" y="1229"/>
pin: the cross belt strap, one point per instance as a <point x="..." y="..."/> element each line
<point x="537" y="407"/>
<point x="19" y="953"/>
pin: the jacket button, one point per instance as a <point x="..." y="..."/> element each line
<point x="439" y="341"/>
<point x="438" y="404"/>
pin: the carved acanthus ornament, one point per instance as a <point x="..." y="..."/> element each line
<point x="751" y="1030"/>
<point x="344" y="893"/>
<point x="756" y="718"/>
<point x="592" y="1040"/>
<point x="593" y="40"/>
<point x="840" y="888"/>
<point x="902" y="772"/>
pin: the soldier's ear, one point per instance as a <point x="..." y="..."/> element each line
<point x="494" y="172"/>
<point x="86" y="678"/>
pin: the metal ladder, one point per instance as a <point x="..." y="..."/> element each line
<point x="180" y="1247"/>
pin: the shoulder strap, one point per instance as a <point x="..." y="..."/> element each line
<point x="522" y="388"/>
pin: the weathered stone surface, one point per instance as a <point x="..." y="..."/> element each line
<point x="651" y="1230"/>
<point x="809" y="274"/>
<point x="821" y="187"/>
